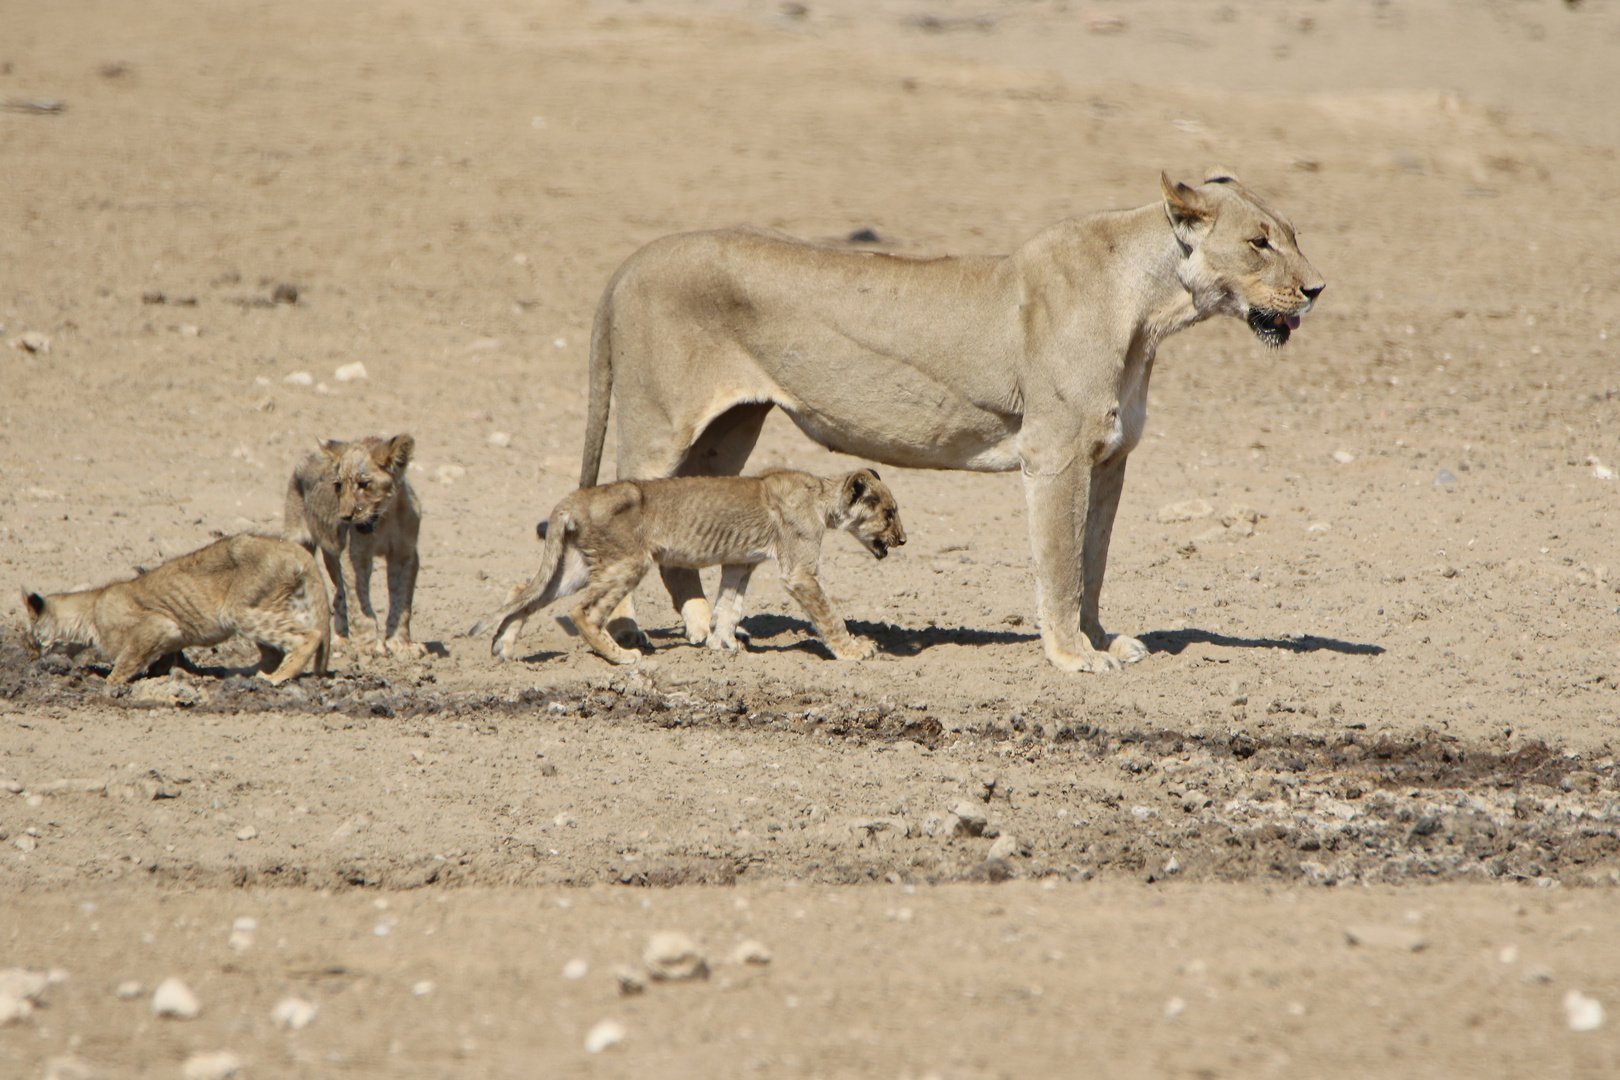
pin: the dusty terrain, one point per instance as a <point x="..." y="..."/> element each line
<point x="1375" y="568"/>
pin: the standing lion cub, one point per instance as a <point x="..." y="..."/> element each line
<point x="353" y="498"/>
<point x="605" y="539"/>
<point x="265" y="589"/>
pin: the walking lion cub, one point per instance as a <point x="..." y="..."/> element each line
<point x="265" y="589"/>
<point x="604" y="540"/>
<point x="352" y="497"/>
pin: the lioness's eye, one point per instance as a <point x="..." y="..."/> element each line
<point x="365" y="485"/>
<point x="337" y="485"/>
<point x="1260" y="243"/>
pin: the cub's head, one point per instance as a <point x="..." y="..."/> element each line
<point x="366" y="474"/>
<point x="1242" y="258"/>
<point x="62" y="618"/>
<point x="870" y="513"/>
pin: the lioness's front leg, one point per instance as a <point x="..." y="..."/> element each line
<point x="729" y="605"/>
<point x="401" y="588"/>
<point x="1106" y="484"/>
<point x="1059" y="502"/>
<point x="802" y="584"/>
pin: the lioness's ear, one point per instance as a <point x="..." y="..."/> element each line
<point x="1185" y="206"/>
<point x="1220" y="174"/>
<point x="396" y="454"/>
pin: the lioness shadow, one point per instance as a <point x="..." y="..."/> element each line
<point x="891" y="640"/>
<point x="1174" y="641"/>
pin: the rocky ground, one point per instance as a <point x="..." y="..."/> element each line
<point x="1354" y="815"/>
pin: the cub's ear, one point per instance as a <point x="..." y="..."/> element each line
<point x="1188" y="210"/>
<point x="1220" y="174"/>
<point x="395" y="454"/>
<point x="331" y="448"/>
<point x="874" y="473"/>
<point x="854" y="487"/>
<point x="34" y="602"/>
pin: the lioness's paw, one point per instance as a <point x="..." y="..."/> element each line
<point x="404" y="649"/>
<point x="726" y="643"/>
<point x="1092" y="662"/>
<point x="1125" y="649"/>
<point x="855" y="649"/>
<point x="625" y="656"/>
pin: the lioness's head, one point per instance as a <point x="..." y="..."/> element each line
<point x="366" y="474"/>
<point x="869" y="512"/>
<point x="1242" y="257"/>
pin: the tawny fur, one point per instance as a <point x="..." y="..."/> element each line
<point x="351" y="501"/>
<point x="268" y="590"/>
<point x="604" y="540"/>
<point x="1037" y="361"/>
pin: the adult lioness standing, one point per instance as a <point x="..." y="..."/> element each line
<point x="1037" y="361"/>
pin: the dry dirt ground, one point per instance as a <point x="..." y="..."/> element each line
<point x="1357" y="814"/>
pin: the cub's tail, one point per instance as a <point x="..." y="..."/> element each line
<point x="562" y="571"/>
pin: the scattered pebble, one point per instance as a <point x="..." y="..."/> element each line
<point x="299" y="378"/>
<point x="1445" y="478"/>
<point x="242" y="931"/>
<point x="69" y="1067"/>
<point x="211" y="1065"/>
<point x="673" y="955"/>
<point x="1582" y="1012"/>
<point x="423" y="988"/>
<point x="20" y="989"/>
<point x="1318" y="527"/>
<point x="1600" y="471"/>
<point x="629" y="980"/>
<point x="970" y="820"/>
<point x="751" y="951"/>
<point x="1190" y="510"/>
<point x="129" y="989"/>
<point x="247" y="832"/>
<point x="25" y="843"/>
<point x="575" y="969"/>
<point x="175" y="999"/>
<point x="285" y="293"/>
<point x="1343" y="457"/>
<point x="350" y="372"/>
<point x="1377" y="936"/>
<point x="294" y="1013"/>
<point x="33" y="342"/>
<point x="500" y="438"/>
<point x="1174" y="1008"/>
<point x="449" y="474"/>
<point x="603" y="1034"/>
<point x="1005" y="847"/>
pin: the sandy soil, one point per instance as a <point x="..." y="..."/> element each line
<point x="1388" y="705"/>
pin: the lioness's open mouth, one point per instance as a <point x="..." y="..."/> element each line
<point x="1272" y="327"/>
<point x="365" y="526"/>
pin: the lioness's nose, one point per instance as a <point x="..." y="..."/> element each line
<point x="1314" y="291"/>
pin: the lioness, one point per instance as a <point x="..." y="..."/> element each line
<point x="353" y="497"/>
<point x="605" y="539"/>
<point x="1037" y="361"/>
<point x="265" y="589"/>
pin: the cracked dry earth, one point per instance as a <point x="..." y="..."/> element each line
<point x="1355" y="814"/>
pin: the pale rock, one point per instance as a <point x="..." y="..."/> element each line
<point x="1005" y="847"/>
<point x="20" y="989"/>
<point x="1190" y="510"/>
<point x="1445" y="478"/>
<point x="175" y="999"/>
<point x="970" y="820"/>
<point x="1343" y="457"/>
<point x="13" y="786"/>
<point x="1381" y="936"/>
<point x="247" y="832"/>
<point x="1174" y="1008"/>
<point x="129" y="990"/>
<point x="210" y="1065"/>
<point x="294" y="1013"/>
<point x="350" y="372"/>
<point x="25" y="843"/>
<point x="629" y="980"/>
<point x="423" y="988"/>
<point x="190" y="330"/>
<point x="501" y="439"/>
<point x="34" y="342"/>
<point x="299" y="378"/>
<point x="357" y="824"/>
<point x="603" y="1034"/>
<point x="242" y="932"/>
<point x="1318" y="527"/>
<point x="672" y="955"/>
<point x="751" y="951"/>
<point x="575" y="969"/>
<point x="1581" y="1012"/>
<point x="449" y="474"/>
<point x="1194" y="801"/>
<point x="69" y="1067"/>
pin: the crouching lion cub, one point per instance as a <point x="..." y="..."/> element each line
<point x="265" y="589"/>
<point x="605" y="539"/>
<point x="352" y="497"/>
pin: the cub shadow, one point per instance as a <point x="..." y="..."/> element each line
<point x="891" y="640"/>
<point x="1175" y="641"/>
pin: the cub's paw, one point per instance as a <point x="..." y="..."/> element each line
<point x="628" y="634"/>
<point x="854" y="649"/>
<point x="405" y="649"/>
<point x="726" y="643"/>
<point x="1089" y="661"/>
<point x="1126" y="649"/>
<point x="625" y="656"/>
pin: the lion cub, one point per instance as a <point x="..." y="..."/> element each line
<point x="605" y="539"/>
<point x="265" y="589"/>
<point x="353" y="497"/>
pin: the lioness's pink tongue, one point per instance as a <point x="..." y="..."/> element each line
<point x="1292" y="321"/>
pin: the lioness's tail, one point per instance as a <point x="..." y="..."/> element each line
<point x="596" y="416"/>
<point x="552" y="580"/>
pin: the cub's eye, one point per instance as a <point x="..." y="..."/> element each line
<point x="365" y="485"/>
<point x="1260" y="243"/>
<point x="337" y="485"/>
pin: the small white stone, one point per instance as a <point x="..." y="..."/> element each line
<point x="34" y="342"/>
<point x="211" y="1065"/>
<point x="350" y="372"/>
<point x="1005" y="847"/>
<point x="129" y="989"/>
<point x="1174" y="1008"/>
<point x="629" y="980"/>
<point x="423" y="988"/>
<point x="190" y="330"/>
<point x="299" y="378"/>
<point x="673" y="955"/>
<point x="1318" y="527"/>
<point x="603" y="1034"/>
<point x="294" y="1013"/>
<point x="25" y="842"/>
<point x="500" y="438"/>
<point x="1509" y="954"/>
<point x="247" y="832"/>
<point x="575" y="969"/>
<point x="1191" y="510"/>
<point x="1582" y="1012"/>
<point x="174" y="998"/>
<point x="449" y="474"/>
<point x="751" y="951"/>
<point x="1343" y="457"/>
